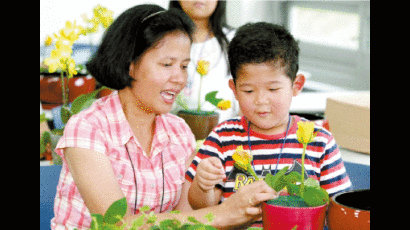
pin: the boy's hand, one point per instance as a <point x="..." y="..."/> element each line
<point x="209" y="173"/>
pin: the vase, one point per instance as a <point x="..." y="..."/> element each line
<point x="51" y="93"/>
<point x="200" y="122"/>
<point x="286" y="218"/>
<point x="350" y="210"/>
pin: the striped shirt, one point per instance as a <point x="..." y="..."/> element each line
<point x="104" y="128"/>
<point x="323" y="160"/>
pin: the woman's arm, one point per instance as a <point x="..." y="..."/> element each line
<point x="94" y="177"/>
<point x="233" y="213"/>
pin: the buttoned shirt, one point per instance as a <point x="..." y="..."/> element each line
<point x="104" y="128"/>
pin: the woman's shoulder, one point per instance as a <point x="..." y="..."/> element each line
<point x="98" y="113"/>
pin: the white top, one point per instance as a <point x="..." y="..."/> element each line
<point x="216" y="79"/>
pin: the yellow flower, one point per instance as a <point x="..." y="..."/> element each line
<point x="224" y="105"/>
<point x="48" y="41"/>
<point x="244" y="158"/>
<point x="103" y="15"/>
<point x="203" y="67"/>
<point x="305" y="132"/>
<point x="70" y="32"/>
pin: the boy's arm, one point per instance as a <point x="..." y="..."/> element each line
<point x="198" y="198"/>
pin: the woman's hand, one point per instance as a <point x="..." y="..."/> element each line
<point x="245" y="206"/>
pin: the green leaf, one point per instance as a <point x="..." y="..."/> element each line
<point x="138" y="222"/>
<point x="145" y="208"/>
<point x="43" y="118"/>
<point x="210" y="217"/>
<point x="310" y="182"/>
<point x="293" y="189"/>
<point x="193" y="220"/>
<point x="169" y="224"/>
<point x="96" y="222"/>
<point x="84" y="101"/>
<point x="211" y="98"/>
<point x="314" y="196"/>
<point x="151" y="218"/>
<point x="116" y="211"/>
<point x="274" y="181"/>
<point x="65" y="114"/>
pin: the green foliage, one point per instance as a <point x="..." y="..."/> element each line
<point x="116" y="212"/>
<point x="211" y="98"/>
<point x="313" y="195"/>
<point x="288" y="201"/>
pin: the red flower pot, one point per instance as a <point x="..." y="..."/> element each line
<point x="286" y="218"/>
<point x="51" y="92"/>
<point x="350" y="210"/>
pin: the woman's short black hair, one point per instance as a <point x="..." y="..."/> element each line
<point x="128" y="37"/>
<point x="264" y="42"/>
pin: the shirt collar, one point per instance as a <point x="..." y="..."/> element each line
<point x="121" y="130"/>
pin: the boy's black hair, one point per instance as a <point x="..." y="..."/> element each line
<point x="128" y="37"/>
<point x="263" y="42"/>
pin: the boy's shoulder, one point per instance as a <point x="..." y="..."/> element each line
<point x="233" y="124"/>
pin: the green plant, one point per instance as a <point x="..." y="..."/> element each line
<point x="80" y="103"/>
<point x="303" y="193"/>
<point x="116" y="212"/>
<point x="203" y="69"/>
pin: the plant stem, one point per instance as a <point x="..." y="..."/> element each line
<point x="302" y="187"/>
<point x="63" y="87"/>
<point x="199" y="93"/>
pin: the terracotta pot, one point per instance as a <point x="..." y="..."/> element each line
<point x="200" y="123"/>
<point x="286" y="218"/>
<point x="51" y="92"/>
<point x="350" y="210"/>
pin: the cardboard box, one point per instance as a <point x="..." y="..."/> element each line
<point x="349" y="120"/>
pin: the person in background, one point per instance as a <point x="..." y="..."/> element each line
<point x="211" y="39"/>
<point x="127" y="145"/>
<point x="264" y="62"/>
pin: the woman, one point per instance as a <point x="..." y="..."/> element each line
<point x="211" y="39"/>
<point x="126" y="144"/>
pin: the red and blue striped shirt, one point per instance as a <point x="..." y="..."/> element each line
<point x="323" y="161"/>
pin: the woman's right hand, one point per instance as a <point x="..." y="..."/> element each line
<point x="245" y="206"/>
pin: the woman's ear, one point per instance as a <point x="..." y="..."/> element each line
<point x="298" y="84"/>
<point x="133" y="67"/>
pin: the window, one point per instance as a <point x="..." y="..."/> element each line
<point x="325" y="27"/>
<point x="334" y="38"/>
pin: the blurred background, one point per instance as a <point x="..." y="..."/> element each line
<point x="334" y="35"/>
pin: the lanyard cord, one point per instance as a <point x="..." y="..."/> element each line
<point x="283" y="145"/>
<point x="136" y="185"/>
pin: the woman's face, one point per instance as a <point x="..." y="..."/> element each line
<point x="198" y="10"/>
<point x="161" y="73"/>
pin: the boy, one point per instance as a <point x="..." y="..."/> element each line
<point x="264" y="64"/>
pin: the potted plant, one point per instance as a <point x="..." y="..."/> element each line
<point x="304" y="204"/>
<point x="51" y="70"/>
<point x="202" y="122"/>
<point x="118" y="209"/>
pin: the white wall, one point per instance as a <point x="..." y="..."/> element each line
<point x="54" y="13"/>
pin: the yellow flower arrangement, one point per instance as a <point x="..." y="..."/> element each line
<point x="203" y="69"/>
<point x="101" y="16"/>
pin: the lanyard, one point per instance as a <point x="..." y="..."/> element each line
<point x="283" y="144"/>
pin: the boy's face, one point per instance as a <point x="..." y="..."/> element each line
<point x="264" y="93"/>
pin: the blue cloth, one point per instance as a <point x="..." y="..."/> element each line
<point x="359" y="175"/>
<point x="49" y="176"/>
